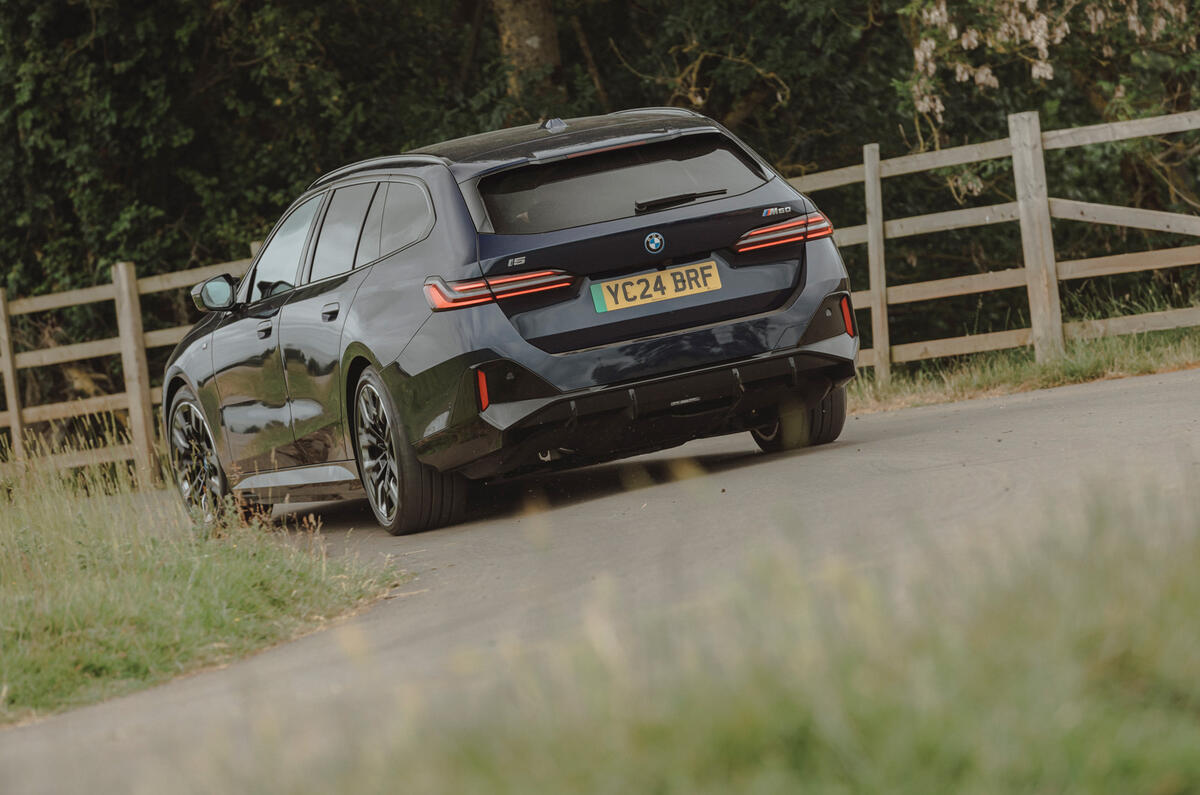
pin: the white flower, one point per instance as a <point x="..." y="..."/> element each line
<point x="985" y="79"/>
<point x="923" y="55"/>
<point x="1042" y="70"/>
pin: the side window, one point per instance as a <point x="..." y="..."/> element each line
<point x="277" y="265"/>
<point x="340" y="230"/>
<point x="368" y="242"/>
<point x="407" y="216"/>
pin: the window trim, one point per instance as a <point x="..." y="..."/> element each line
<point x="420" y="185"/>
<point x="310" y="253"/>
<point x="246" y="286"/>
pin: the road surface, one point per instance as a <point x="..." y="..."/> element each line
<point x="647" y="535"/>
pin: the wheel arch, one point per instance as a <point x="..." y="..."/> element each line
<point x="355" y="360"/>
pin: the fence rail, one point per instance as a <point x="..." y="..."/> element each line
<point x="1040" y="274"/>
<point x="132" y="344"/>
<point x="1034" y="210"/>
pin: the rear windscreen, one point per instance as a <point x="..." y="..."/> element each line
<point x="606" y="186"/>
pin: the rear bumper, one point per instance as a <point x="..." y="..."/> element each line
<point x="600" y="424"/>
<point x="616" y="400"/>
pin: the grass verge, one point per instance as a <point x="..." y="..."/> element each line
<point x="1006" y="372"/>
<point x="1064" y="661"/>
<point x="105" y="589"/>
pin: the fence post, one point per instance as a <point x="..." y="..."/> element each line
<point x="880" y="339"/>
<point x="12" y="396"/>
<point x="1037" y="239"/>
<point x="133" y="362"/>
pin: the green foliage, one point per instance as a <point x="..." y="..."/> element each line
<point x="1009" y="371"/>
<point x="173" y="133"/>
<point x="104" y="589"/>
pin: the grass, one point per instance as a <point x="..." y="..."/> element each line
<point x="1006" y="372"/>
<point x="105" y="589"/>
<point x="1062" y="661"/>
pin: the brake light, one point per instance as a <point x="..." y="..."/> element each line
<point x="454" y="295"/>
<point x="812" y="226"/>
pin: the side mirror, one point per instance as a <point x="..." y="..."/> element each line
<point x="216" y="294"/>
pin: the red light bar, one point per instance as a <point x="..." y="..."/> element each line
<point x="444" y="295"/>
<point x="847" y="315"/>
<point x="811" y="227"/>
<point x="481" y="380"/>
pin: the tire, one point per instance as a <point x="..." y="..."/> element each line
<point x="802" y="425"/>
<point x="406" y="496"/>
<point x="192" y="455"/>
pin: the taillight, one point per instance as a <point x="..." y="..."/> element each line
<point x="811" y="227"/>
<point x="453" y="295"/>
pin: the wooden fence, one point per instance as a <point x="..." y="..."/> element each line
<point x="1040" y="275"/>
<point x="1033" y="210"/>
<point x="131" y="344"/>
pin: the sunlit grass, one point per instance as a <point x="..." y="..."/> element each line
<point x="1060" y="660"/>
<point x="105" y="588"/>
<point x="1006" y="372"/>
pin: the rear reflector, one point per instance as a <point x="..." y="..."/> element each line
<point x="454" y="295"/>
<point x="847" y="315"/>
<point x="481" y="379"/>
<point x="811" y="227"/>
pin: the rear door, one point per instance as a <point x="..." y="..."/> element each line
<point x="364" y="224"/>
<point x="649" y="229"/>
<point x="311" y="323"/>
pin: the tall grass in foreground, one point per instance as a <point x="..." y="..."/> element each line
<point x="105" y="588"/>
<point x="1064" y="660"/>
<point x="1006" y="372"/>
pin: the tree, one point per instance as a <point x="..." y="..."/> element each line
<point x="529" y="44"/>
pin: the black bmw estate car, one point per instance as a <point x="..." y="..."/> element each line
<point x="545" y="296"/>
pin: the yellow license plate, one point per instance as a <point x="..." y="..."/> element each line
<point x="661" y="286"/>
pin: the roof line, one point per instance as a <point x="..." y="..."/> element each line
<point x="659" y="109"/>
<point x="378" y="162"/>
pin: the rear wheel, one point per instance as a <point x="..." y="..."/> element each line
<point x="799" y="424"/>
<point x="405" y="495"/>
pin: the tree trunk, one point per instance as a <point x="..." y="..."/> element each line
<point x="529" y="44"/>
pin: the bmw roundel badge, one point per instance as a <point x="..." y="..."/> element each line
<point x="655" y="242"/>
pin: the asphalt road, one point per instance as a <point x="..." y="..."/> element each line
<point x="645" y="536"/>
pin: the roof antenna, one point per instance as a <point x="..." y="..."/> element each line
<point x="554" y="125"/>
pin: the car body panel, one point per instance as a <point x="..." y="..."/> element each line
<point x="310" y="338"/>
<point x="281" y="417"/>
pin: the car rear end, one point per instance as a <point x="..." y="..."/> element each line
<point x="633" y="295"/>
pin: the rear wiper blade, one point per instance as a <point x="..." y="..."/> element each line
<point x="645" y="205"/>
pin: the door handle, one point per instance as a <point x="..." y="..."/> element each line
<point x="330" y="311"/>
<point x="264" y="329"/>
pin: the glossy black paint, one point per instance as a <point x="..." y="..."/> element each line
<point x="274" y="377"/>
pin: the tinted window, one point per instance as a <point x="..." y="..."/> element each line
<point x="406" y="216"/>
<point x="605" y="186"/>
<point x="339" y="233"/>
<point x="368" y="243"/>
<point x="277" y="265"/>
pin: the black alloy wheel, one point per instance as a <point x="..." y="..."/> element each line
<point x="405" y="495"/>
<point x="193" y="457"/>
<point x="377" y="453"/>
